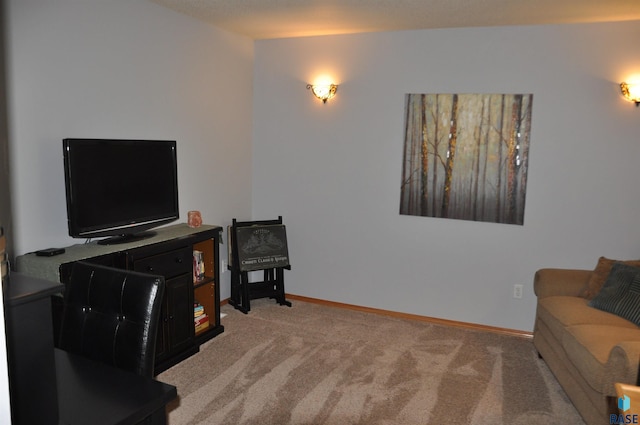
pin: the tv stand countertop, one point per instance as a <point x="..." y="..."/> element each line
<point x="49" y="267"/>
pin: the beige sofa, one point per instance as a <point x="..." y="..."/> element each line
<point x="587" y="349"/>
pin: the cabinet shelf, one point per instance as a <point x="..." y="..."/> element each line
<point x="203" y="281"/>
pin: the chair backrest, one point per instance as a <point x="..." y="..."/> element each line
<point x="112" y="316"/>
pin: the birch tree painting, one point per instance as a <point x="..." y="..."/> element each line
<point x="466" y="156"/>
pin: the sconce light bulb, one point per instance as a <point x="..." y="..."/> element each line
<point x="323" y="92"/>
<point x="631" y="92"/>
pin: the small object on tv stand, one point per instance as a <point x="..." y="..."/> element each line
<point x="50" y="252"/>
<point x="194" y="219"/>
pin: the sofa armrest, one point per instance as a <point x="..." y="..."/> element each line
<point x="633" y="393"/>
<point x="570" y="282"/>
<point x="622" y="366"/>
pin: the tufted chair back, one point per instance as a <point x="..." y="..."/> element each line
<point x="112" y="316"/>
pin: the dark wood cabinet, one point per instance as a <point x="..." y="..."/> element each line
<point x="176" y="333"/>
<point x="177" y="322"/>
<point x="168" y="264"/>
<point x="170" y="253"/>
<point x="32" y="373"/>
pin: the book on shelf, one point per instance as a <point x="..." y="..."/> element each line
<point x="202" y="327"/>
<point x="201" y="322"/>
<point x="198" y="310"/>
<point x="198" y="265"/>
<point x="200" y="319"/>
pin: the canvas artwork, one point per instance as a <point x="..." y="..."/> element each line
<point x="466" y="156"/>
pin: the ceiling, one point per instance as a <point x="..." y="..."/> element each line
<point x="264" y="19"/>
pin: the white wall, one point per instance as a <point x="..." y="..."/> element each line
<point x="125" y="69"/>
<point x="333" y="171"/>
<point x="134" y="69"/>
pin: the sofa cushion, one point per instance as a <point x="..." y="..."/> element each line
<point x="620" y="294"/>
<point x="588" y="348"/>
<point x="600" y="274"/>
<point x="561" y="311"/>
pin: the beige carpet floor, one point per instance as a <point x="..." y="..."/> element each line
<point x="318" y="365"/>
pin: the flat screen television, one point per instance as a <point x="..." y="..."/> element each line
<point x="119" y="188"/>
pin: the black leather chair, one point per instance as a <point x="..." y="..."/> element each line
<point x="112" y="316"/>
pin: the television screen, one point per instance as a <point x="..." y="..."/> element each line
<point x="119" y="187"/>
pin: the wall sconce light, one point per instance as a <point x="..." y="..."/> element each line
<point x="323" y="92"/>
<point x="631" y="92"/>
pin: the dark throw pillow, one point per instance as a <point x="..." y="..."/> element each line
<point x="620" y="293"/>
<point x="600" y="274"/>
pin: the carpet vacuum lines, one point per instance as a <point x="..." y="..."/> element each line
<point x="317" y="365"/>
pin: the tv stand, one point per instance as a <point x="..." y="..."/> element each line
<point x="126" y="238"/>
<point x="168" y="253"/>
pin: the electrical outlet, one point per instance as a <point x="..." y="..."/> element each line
<point x="223" y="266"/>
<point x="517" y="291"/>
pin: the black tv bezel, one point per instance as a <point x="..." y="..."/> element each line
<point x="137" y="227"/>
